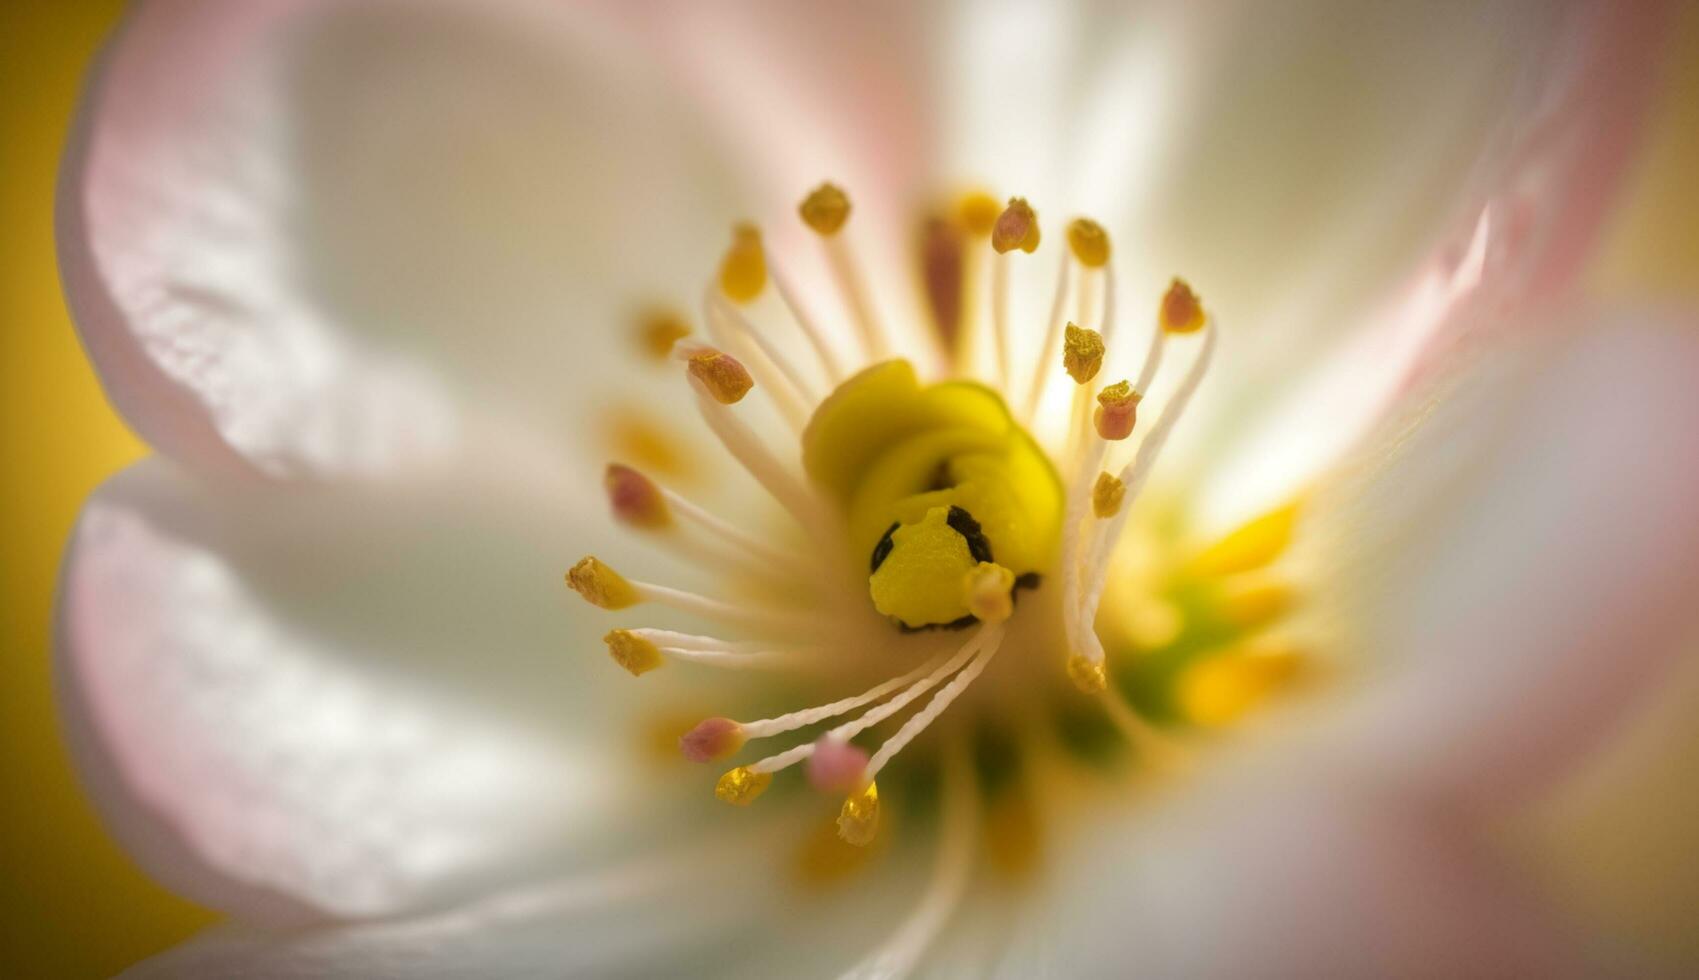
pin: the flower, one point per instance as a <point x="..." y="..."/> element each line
<point x="352" y="269"/>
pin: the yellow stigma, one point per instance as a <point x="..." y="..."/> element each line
<point x="1117" y="411"/>
<point x="1182" y="309"/>
<point x="858" y="821"/>
<point x="722" y="374"/>
<point x="825" y="209"/>
<point x="978" y="212"/>
<point x="1089" y="242"/>
<point x="743" y="272"/>
<point x="988" y="590"/>
<point x="658" y="330"/>
<point x="1089" y="676"/>
<point x="1106" y="495"/>
<point x="919" y="582"/>
<point x="633" y="652"/>
<point x="1082" y="353"/>
<point x="742" y="786"/>
<point x="1016" y="227"/>
<point x="600" y="585"/>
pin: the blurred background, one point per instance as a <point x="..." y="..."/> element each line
<point x="71" y="903"/>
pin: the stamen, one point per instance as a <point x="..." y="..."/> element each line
<point x="1047" y="351"/>
<point x="958" y="830"/>
<point x="743" y="271"/>
<point x="633" y="652"/>
<point x="978" y="212"/>
<point x="721" y="375"/>
<point x="745" y="447"/>
<point x="751" y="547"/>
<point x="601" y="586"/>
<point x="1182" y="310"/>
<point x="837" y="767"/>
<point x="1082" y="354"/>
<point x="858" y="821"/>
<point x="640" y="654"/>
<point x="825" y="211"/>
<point x="658" y="330"/>
<point x="851" y="729"/>
<point x="741" y="786"/>
<point x="1106" y="495"/>
<point x="1117" y="411"/>
<point x="794" y="396"/>
<point x="605" y="588"/>
<point x="988" y="590"/>
<point x="935" y="707"/>
<point x="1089" y="243"/>
<point x="1090" y="676"/>
<point x="806" y="323"/>
<point x="1016" y="227"/>
<point x="1134" y="475"/>
<point x="808" y="716"/>
<point x="635" y="499"/>
<point x="713" y="739"/>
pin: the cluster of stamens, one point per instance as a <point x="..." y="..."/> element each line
<point x="1094" y="503"/>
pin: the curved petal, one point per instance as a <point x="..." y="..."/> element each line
<point x="327" y="238"/>
<point x="1544" y="112"/>
<point x="1514" y="553"/>
<point x="699" y="905"/>
<point x="295" y="703"/>
<point x="1279" y="873"/>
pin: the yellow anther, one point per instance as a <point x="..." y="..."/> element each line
<point x="600" y="585"/>
<point x="633" y="652"/>
<point x="1117" y="411"/>
<point x="1221" y="689"/>
<point x="1106" y="495"/>
<point x="1090" y="676"/>
<point x="1182" y="310"/>
<point x="1089" y="242"/>
<point x="1082" y="353"/>
<point x="1016" y="227"/>
<point x="825" y="209"/>
<point x="1253" y="601"/>
<point x="635" y="498"/>
<point x="978" y="212"/>
<point x="658" y="330"/>
<point x="743" y="272"/>
<point x="742" y="786"/>
<point x="722" y="374"/>
<point x="988" y="590"/>
<point x="858" y="821"/>
<point x="1252" y="545"/>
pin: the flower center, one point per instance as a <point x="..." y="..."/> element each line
<point x="934" y="529"/>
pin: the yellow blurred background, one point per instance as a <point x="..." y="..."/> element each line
<point x="71" y="903"/>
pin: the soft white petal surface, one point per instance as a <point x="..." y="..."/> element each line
<point x="296" y="702"/>
<point x="1515" y="551"/>
<point x="347" y="238"/>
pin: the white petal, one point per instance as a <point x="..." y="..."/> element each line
<point x="299" y="702"/>
<point x="334" y="238"/>
<point x="1503" y="137"/>
<point x="700" y="904"/>
<point x="1514" y="553"/>
<point x="1280" y="873"/>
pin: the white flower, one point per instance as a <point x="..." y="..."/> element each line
<point x="358" y="271"/>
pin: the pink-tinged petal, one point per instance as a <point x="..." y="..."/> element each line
<point x="1454" y="242"/>
<point x="1280" y="870"/>
<point x="1512" y="556"/>
<point x="325" y="239"/>
<point x="293" y="703"/>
